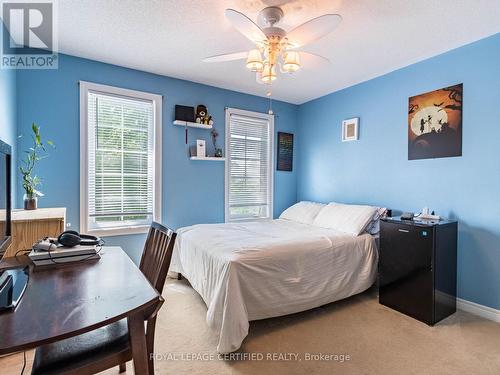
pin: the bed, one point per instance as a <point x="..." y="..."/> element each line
<point x="256" y="270"/>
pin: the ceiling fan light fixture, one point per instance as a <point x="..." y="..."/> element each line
<point x="291" y="61"/>
<point x="268" y="74"/>
<point x="274" y="47"/>
<point x="254" y="61"/>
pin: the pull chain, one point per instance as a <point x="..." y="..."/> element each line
<point x="269" y="95"/>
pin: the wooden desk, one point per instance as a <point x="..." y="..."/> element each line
<point x="62" y="301"/>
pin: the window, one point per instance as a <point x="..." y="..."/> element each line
<point x="120" y="168"/>
<point x="249" y="165"/>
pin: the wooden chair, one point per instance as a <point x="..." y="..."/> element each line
<point x="109" y="346"/>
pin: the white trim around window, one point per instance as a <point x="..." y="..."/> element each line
<point x="127" y="225"/>
<point x="236" y="122"/>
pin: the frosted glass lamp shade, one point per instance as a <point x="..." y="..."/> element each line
<point x="268" y="74"/>
<point x="291" y="61"/>
<point x="254" y="61"/>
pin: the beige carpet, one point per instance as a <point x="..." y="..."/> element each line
<point x="377" y="340"/>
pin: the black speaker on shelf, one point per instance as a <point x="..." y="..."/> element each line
<point x="184" y="113"/>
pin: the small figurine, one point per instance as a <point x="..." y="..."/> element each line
<point x="201" y="114"/>
<point x="218" y="150"/>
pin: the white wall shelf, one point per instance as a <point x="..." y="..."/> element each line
<point x="192" y="124"/>
<point x="208" y="158"/>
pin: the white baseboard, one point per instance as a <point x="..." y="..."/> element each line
<point x="479" y="310"/>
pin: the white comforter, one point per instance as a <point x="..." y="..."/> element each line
<point x="256" y="270"/>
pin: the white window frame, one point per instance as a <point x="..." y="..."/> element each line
<point x="270" y="119"/>
<point x="157" y="101"/>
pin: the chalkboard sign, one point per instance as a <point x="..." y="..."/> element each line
<point x="285" y="152"/>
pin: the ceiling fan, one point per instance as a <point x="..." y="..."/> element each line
<point x="276" y="48"/>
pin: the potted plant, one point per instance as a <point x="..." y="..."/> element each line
<point x="30" y="180"/>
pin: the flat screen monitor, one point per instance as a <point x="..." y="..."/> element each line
<point x="5" y="197"/>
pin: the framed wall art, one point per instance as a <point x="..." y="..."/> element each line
<point x="285" y="152"/>
<point x="435" y="124"/>
<point x="350" y="129"/>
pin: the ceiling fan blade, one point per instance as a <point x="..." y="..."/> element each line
<point x="245" y="26"/>
<point x="226" y="57"/>
<point x="311" y="60"/>
<point x="313" y="30"/>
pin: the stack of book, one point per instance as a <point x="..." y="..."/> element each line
<point x="62" y="254"/>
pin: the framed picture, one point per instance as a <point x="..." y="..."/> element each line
<point x="435" y="124"/>
<point x="350" y="129"/>
<point x="285" y="152"/>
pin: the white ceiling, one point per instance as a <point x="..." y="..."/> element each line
<point x="171" y="37"/>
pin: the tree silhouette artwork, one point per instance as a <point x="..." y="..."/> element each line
<point x="435" y="124"/>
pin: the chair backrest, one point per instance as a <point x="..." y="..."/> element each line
<point x="157" y="254"/>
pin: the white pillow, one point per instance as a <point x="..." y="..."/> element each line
<point x="348" y="218"/>
<point x="373" y="226"/>
<point x="302" y="212"/>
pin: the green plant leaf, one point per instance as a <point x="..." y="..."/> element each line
<point x="34" y="154"/>
<point x="39" y="193"/>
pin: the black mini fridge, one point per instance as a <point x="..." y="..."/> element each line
<point x="418" y="267"/>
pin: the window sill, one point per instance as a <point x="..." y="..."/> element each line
<point x="119" y="231"/>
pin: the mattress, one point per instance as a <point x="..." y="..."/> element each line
<point x="257" y="270"/>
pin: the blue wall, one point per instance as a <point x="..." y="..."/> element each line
<point x="376" y="170"/>
<point x="193" y="192"/>
<point x="373" y="170"/>
<point x="8" y="123"/>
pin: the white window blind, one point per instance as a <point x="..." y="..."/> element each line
<point x="121" y="160"/>
<point x="249" y="165"/>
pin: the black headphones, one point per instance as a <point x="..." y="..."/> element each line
<point x="71" y="238"/>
